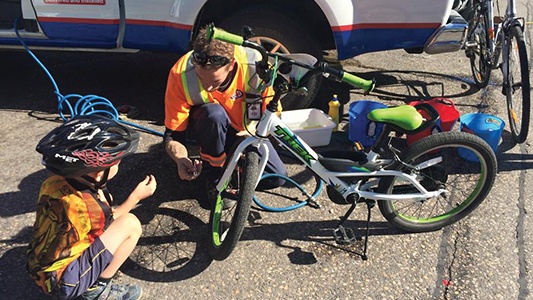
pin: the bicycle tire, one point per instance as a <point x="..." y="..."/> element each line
<point x="168" y="249"/>
<point x="467" y="182"/>
<point x="226" y="226"/>
<point x="480" y="64"/>
<point x="517" y="93"/>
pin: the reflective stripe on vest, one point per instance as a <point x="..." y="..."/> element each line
<point x="195" y="92"/>
<point x="214" y="161"/>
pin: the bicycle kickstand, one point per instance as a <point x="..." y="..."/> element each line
<point x="369" y="205"/>
<point x="344" y="236"/>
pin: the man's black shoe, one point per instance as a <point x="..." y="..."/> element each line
<point x="209" y="197"/>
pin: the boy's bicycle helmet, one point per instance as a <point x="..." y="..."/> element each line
<point x="86" y="144"/>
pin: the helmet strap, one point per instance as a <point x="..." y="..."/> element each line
<point x="96" y="185"/>
<point x="101" y="184"/>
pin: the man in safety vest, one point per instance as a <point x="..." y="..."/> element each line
<point x="205" y="100"/>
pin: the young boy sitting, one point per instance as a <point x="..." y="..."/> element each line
<point x="79" y="240"/>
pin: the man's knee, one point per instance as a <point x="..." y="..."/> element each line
<point x="210" y="127"/>
<point x="212" y="113"/>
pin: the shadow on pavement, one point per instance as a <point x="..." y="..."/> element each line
<point x="15" y="282"/>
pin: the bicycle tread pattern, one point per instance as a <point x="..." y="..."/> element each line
<point x="225" y="233"/>
<point x="480" y="56"/>
<point x="518" y="90"/>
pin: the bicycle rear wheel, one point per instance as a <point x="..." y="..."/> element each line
<point x="517" y="88"/>
<point x="226" y="226"/>
<point x="467" y="182"/>
<point x="478" y="50"/>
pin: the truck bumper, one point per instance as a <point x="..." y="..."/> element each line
<point x="448" y="38"/>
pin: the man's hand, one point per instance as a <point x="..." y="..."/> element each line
<point x="189" y="169"/>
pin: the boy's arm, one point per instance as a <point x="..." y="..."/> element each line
<point x="144" y="189"/>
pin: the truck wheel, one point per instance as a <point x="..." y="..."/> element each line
<point x="278" y="33"/>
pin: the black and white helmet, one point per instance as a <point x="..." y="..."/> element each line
<point x="86" y="144"/>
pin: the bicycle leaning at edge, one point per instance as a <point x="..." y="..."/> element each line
<point x="485" y="44"/>
<point x="424" y="188"/>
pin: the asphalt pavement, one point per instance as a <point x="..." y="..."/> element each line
<point x="289" y="255"/>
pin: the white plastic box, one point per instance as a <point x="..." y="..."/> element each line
<point x="311" y="125"/>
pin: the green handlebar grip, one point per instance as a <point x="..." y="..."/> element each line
<point x="366" y="85"/>
<point x="219" y="34"/>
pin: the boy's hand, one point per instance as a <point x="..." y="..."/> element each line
<point x="145" y="188"/>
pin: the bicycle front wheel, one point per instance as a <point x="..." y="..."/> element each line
<point x="517" y="86"/>
<point x="460" y="163"/>
<point x="226" y="225"/>
<point x="478" y="49"/>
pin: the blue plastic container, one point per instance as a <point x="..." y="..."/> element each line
<point x="487" y="127"/>
<point x="361" y="128"/>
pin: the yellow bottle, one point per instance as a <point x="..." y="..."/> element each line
<point x="333" y="112"/>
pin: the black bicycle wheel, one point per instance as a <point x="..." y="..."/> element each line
<point x="478" y="49"/>
<point x="168" y="250"/>
<point x="517" y="87"/>
<point x="446" y="161"/>
<point x="281" y="33"/>
<point x="226" y="225"/>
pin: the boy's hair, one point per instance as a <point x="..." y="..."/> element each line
<point x="214" y="47"/>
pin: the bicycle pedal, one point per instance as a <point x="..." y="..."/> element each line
<point x="344" y="236"/>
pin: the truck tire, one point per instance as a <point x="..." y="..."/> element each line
<point x="274" y="30"/>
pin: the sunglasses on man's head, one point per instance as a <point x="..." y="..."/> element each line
<point x="202" y="59"/>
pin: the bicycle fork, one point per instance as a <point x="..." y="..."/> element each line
<point x="232" y="163"/>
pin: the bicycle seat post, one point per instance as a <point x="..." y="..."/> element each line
<point x="382" y="139"/>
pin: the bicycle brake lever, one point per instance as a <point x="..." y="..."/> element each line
<point x="247" y="32"/>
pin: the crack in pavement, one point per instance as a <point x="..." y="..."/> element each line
<point x="523" y="290"/>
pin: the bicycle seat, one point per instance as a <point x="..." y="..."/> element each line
<point x="405" y="118"/>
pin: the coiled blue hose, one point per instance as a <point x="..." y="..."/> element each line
<point x="83" y="105"/>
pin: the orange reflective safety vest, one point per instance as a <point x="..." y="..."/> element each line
<point x="185" y="90"/>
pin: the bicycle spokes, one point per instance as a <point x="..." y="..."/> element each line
<point x="464" y="182"/>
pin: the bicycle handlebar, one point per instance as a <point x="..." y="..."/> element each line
<point x="366" y="85"/>
<point x="218" y="34"/>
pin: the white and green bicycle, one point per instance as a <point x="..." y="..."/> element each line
<point x="423" y="188"/>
